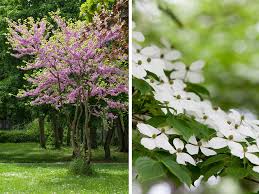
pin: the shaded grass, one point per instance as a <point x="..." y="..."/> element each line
<point x="31" y="153"/>
<point x="54" y="178"/>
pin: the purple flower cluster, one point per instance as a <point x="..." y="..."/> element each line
<point x="73" y="64"/>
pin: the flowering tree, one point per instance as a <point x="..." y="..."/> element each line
<point x="75" y="64"/>
<point x="181" y="133"/>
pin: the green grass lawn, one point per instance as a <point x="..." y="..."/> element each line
<point x="26" y="168"/>
<point x="31" y="152"/>
<point x="54" y="178"/>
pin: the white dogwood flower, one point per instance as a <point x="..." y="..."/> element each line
<point x="242" y="124"/>
<point x="213" y="180"/>
<point x="161" y="53"/>
<point x="181" y="157"/>
<point x="194" y="146"/>
<point x="192" y="73"/>
<point x="155" y="138"/>
<point x="245" y="152"/>
<point x="195" y="185"/>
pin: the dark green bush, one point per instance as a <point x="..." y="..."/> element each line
<point x="80" y="167"/>
<point x="18" y="136"/>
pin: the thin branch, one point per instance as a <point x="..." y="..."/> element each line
<point x="171" y="14"/>
<point x="252" y="180"/>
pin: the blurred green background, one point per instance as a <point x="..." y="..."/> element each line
<point x="225" y="34"/>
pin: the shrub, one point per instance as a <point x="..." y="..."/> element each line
<point x="21" y="133"/>
<point x="80" y="167"/>
<point x="18" y="136"/>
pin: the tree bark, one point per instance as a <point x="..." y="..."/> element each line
<point x="93" y="138"/>
<point x="41" y="120"/>
<point x="68" y="135"/>
<point x="125" y="131"/>
<point x="75" y="144"/>
<point x="87" y="142"/>
<point x="107" y="143"/>
<point x="120" y="135"/>
<point x="55" y="130"/>
<point x="78" y="131"/>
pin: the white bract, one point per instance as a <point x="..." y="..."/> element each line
<point x="181" y="157"/>
<point x="233" y="131"/>
<point x="194" y="146"/>
<point x="155" y="138"/>
<point x="192" y="73"/>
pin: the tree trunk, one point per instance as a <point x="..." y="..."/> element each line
<point x="74" y="142"/>
<point x="68" y="135"/>
<point x="94" y="138"/>
<point x="107" y="143"/>
<point x="55" y="130"/>
<point x="120" y="135"/>
<point x="78" y="131"/>
<point x="125" y="131"/>
<point x="87" y="142"/>
<point x="42" y="131"/>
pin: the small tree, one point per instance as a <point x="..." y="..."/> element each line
<point x="75" y="64"/>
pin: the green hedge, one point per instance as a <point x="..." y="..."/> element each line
<point x="18" y="136"/>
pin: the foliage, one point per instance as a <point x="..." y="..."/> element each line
<point x="19" y="136"/>
<point x="11" y="79"/>
<point x="183" y="134"/>
<point x="91" y="7"/>
<point x="225" y="35"/>
<point x="80" y="167"/>
<point x="73" y="64"/>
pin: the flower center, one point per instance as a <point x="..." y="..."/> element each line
<point x="236" y="126"/>
<point x="199" y="144"/>
<point x="216" y="108"/>
<point x="229" y="122"/>
<point x="171" y="82"/>
<point x="154" y="136"/>
<point x="138" y="50"/>
<point x="178" y="97"/>
<point x="139" y="62"/>
<point x="179" y="150"/>
<point x="205" y="117"/>
<point x="162" y="56"/>
<point x="231" y="137"/>
<point x="163" y="130"/>
<point x="152" y="81"/>
<point x="148" y="60"/>
<point x="242" y="117"/>
<point x="187" y="68"/>
<point x="166" y="102"/>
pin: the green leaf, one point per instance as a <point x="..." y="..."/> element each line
<point x="157" y="121"/>
<point x="152" y="75"/>
<point x="198" y="89"/>
<point x="149" y="169"/>
<point x="176" y="169"/>
<point x="237" y="173"/>
<point x="180" y="125"/>
<point x="215" y="169"/>
<point x="214" y="159"/>
<point x="142" y="86"/>
<point x="200" y="130"/>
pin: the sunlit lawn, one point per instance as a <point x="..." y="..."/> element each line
<point x="54" y="178"/>
<point x="26" y="168"/>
